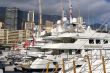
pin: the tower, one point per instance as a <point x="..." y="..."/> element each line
<point x="30" y="16"/>
<point x="29" y="24"/>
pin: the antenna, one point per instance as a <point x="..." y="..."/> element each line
<point x="40" y="16"/>
<point x="106" y="29"/>
<point x="93" y="21"/>
<point x="88" y="15"/>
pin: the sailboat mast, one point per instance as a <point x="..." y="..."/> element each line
<point x="40" y="16"/>
<point x="70" y="11"/>
<point x="62" y="10"/>
<point x="79" y="8"/>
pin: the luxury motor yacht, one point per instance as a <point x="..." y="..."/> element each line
<point x="71" y="43"/>
<point x="77" y="40"/>
<point x="70" y="40"/>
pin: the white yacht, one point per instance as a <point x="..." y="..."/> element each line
<point x="71" y="41"/>
<point x="72" y="44"/>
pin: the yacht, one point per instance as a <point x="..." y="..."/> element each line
<point x="71" y="40"/>
<point x="76" y="41"/>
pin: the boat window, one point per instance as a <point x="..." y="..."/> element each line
<point x="61" y="51"/>
<point x="98" y="41"/>
<point x="70" y="52"/>
<point x="55" y="63"/>
<point x="74" y="25"/>
<point x="91" y="41"/>
<point x="77" y="51"/>
<point x="77" y="66"/>
<point x="105" y="41"/>
<point x="66" y="40"/>
<point x="43" y="56"/>
<point x="33" y="50"/>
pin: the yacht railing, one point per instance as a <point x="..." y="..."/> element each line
<point x="96" y="66"/>
<point x="85" y="64"/>
<point x="84" y="67"/>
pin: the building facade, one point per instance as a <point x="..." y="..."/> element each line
<point x="3" y="36"/>
<point x="1" y="25"/>
<point x="18" y="36"/>
<point x="10" y="37"/>
<point x="29" y="25"/>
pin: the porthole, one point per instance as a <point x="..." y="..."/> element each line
<point x="98" y="41"/>
<point x="105" y="41"/>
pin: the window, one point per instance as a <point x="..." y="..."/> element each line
<point x="68" y="40"/>
<point x="91" y="41"/>
<point x="77" y="66"/>
<point x="77" y="51"/>
<point x="98" y="41"/>
<point x="105" y="41"/>
<point x="70" y="52"/>
<point x="61" y="51"/>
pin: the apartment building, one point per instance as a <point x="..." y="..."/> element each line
<point x="17" y="36"/>
<point x="10" y="37"/>
<point x="3" y="36"/>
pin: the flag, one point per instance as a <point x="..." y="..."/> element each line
<point x="33" y="41"/>
<point x="26" y="44"/>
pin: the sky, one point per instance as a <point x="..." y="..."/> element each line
<point x="93" y="10"/>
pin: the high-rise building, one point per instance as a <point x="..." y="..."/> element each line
<point x="11" y="18"/>
<point x="30" y="16"/>
<point x="22" y="17"/>
<point x="29" y="24"/>
<point x="2" y="13"/>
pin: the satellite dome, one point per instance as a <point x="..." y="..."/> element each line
<point x="35" y="28"/>
<point x="64" y="19"/>
<point x="74" y="20"/>
<point x="59" y="22"/>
